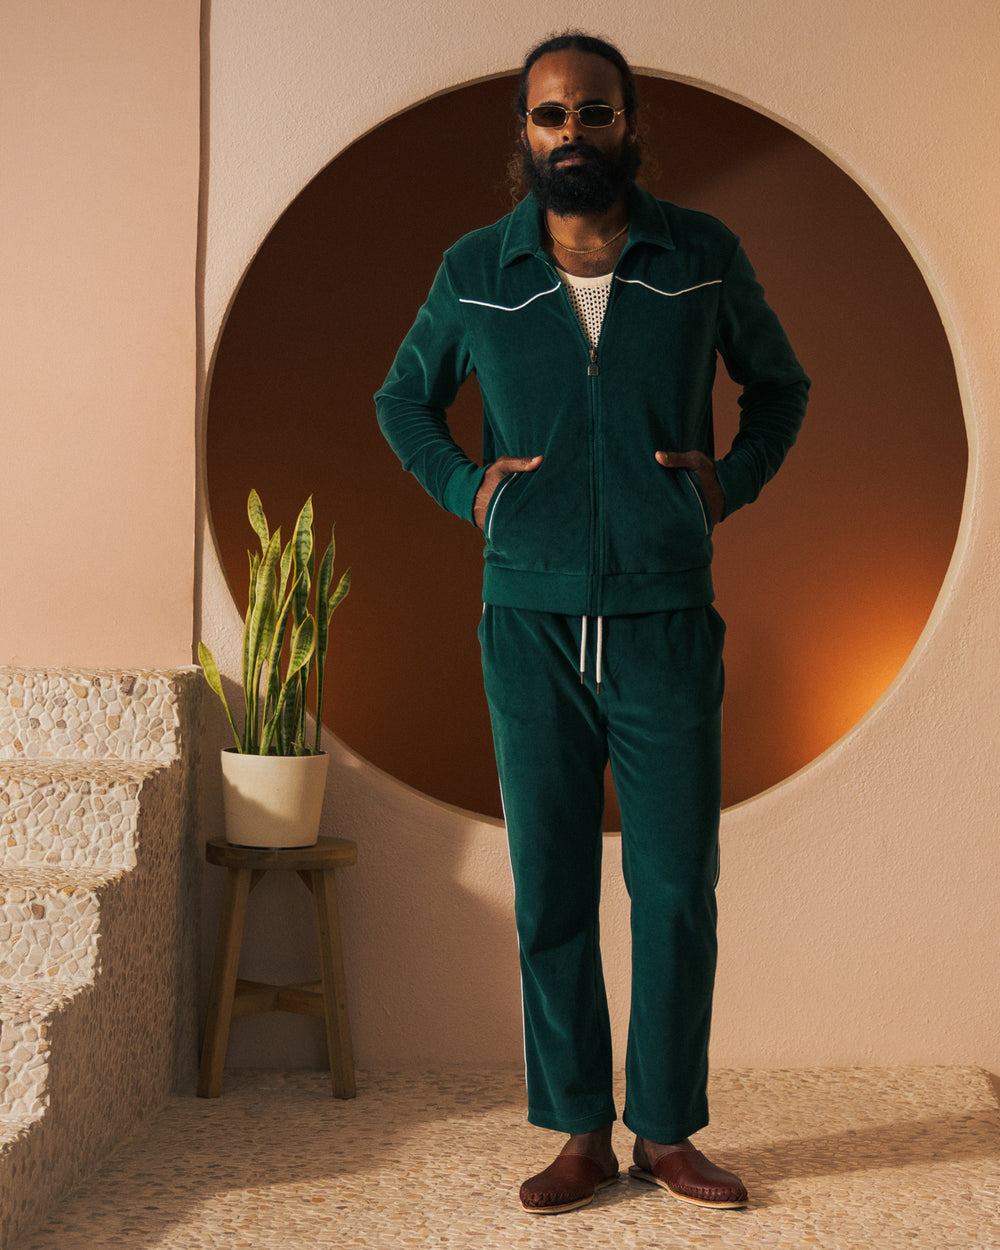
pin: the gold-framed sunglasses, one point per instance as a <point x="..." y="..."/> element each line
<point x="592" y="116"/>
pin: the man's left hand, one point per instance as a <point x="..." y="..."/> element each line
<point x="704" y="470"/>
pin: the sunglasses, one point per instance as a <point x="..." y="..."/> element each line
<point x="592" y="116"/>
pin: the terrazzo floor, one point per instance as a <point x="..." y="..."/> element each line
<point x="854" y="1159"/>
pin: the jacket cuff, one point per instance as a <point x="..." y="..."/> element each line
<point x="736" y="486"/>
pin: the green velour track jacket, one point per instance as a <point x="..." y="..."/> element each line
<point x="600" y="528"/>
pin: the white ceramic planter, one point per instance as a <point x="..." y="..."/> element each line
<point x="273" y="800"/>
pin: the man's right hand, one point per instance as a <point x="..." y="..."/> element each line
<point x="494" y="474"/>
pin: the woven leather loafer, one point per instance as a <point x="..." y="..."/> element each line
<point x="570" y="1182"/>
<point x="688" y="1175"/>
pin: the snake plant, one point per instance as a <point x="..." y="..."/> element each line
<point x="282" y="583"/>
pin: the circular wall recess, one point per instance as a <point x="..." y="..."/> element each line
<point x="826" y="582"/>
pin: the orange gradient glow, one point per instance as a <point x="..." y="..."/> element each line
<point x="858" y="665"/>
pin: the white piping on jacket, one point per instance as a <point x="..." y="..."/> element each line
<point x="481" y="303"/>
<point x="670" y="294"/>
<point x="494" y="500"/>
<point x="517" y="307"/>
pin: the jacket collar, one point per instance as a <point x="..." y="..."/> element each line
<point x="647" y="224"/>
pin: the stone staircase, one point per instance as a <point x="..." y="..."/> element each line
<point x="97" y="918"/>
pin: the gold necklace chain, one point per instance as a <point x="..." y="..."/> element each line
<point x="586" y="251"/>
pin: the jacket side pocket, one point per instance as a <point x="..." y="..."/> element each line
<point x="699" y="494"/>
<point x="491" y="508"/>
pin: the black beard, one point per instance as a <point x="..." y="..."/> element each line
<point x="569" y="190"/>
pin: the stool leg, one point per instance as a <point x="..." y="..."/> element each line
<point x="338" y="1028"/>
<point x="223" y="990"/>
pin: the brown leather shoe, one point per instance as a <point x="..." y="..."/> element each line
<point x="569" y="1182"/>
<point x="688" y="1175"/>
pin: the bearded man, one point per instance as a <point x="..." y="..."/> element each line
<point x="592" y="316"/>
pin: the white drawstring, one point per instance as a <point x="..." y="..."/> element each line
<point x="583" y="649"/>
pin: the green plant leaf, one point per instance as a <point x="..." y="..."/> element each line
<point x="267" y="636"/>
<point x="286" y="568"/>
<point x="267" y="627"/>
<point x="325" y="571"/>
<point x="256" y="655"/>
<point x="294" y="712"/>
<point x="272" y="698"/>
<point x="303" y="645"/>
<point x="214" y="679"/>
<point x="255" y="511"/>
<point x="302" y="541"/>
<point x="339" y="595"/>
<point x="254" y="562"/>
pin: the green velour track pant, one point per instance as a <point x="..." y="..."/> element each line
<point x="657" y="716"/>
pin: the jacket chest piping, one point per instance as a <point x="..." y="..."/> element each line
<point x="669" y="294"/>
<point x="481" y="303"/>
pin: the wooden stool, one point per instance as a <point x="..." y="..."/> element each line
<point x="327" y="998"/>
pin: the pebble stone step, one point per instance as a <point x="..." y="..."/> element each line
<point x="69" y="812"/>
<point x="49" y="926"/>
<point x="97" y="715"/>
<point x="69" y="834"/>
<point x="26" y="1016"/>
<point x="94" y="827"/>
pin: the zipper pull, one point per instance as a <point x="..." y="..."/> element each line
<point x="592" y="368"/>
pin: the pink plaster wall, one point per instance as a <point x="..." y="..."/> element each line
<point x="99" y="133"/>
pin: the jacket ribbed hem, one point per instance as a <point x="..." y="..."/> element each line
<point x="624" y="594"/>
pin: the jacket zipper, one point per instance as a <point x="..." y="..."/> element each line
<point x="599" y="493"/>
<point x="597" y="511"/>
<point x="596" y="492"/>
